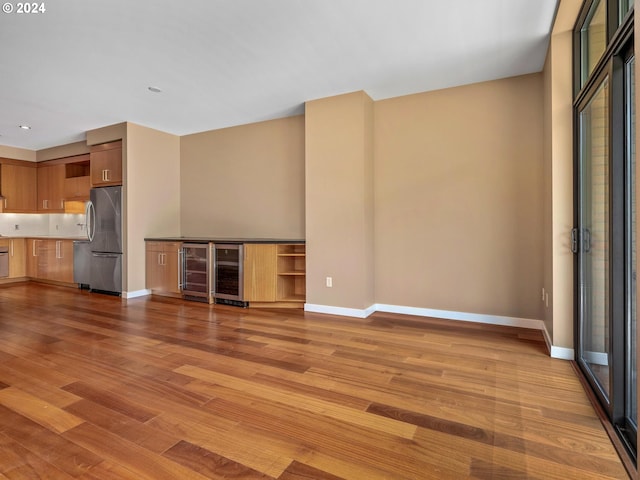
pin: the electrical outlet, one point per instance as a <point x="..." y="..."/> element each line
<point x="16" y="227"/>
<point x="329" y="282"/>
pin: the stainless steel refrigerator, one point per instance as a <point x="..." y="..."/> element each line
<point x="104" y="226"/>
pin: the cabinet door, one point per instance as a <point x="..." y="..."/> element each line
<point x="34" y="251"/>
<point x="172" y="270"/>
<point x="18" y="185"/>
<point x="153" y="270"/>
<point x="62" y="270"/>
<point x="17" y="258"/>
<point x="51" y="188"/>
<point x="106" y="164"/>
<point x="260" y="261"/>
<point x="163" y="269"/>
<point x="47" y="259"/>
<point x="77" y="188"/>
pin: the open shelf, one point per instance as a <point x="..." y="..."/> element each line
<point x="291" y="271"/>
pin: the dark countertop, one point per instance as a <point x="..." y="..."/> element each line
<point x="47" y="237"/>
<point x="222" y="240"/>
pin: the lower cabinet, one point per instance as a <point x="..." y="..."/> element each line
<point x="50" y="260"/>
<point x="163" y="267"/>
<point x="260" y="262"/>
<point x="274" y="275"/>
<point x="17" y="256"/>
<point x="33" y="257"/>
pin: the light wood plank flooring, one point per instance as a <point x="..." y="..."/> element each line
<point x="94" y="387"/>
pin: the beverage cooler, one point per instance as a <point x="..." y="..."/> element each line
<point x="228" y="274"/>
<point x="197" y="282"/>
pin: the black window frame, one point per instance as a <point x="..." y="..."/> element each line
<point x="619" y="46"/>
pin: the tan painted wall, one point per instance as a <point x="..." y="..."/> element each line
<point x="152" y="194"/>
<point x="547" y="258"/>
<point x="62" y="151"/>
<point x="339" y="200"/>
<point x="107" y="134"/>
<point x="561" y="296"/>
<point x="17" y="153"/>
<point x="459" y="198"/>
<point x="245" y="181"/>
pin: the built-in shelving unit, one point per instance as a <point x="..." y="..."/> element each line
<point x="291" y="272"/>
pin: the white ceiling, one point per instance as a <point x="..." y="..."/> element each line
<point x="85" y="64"/>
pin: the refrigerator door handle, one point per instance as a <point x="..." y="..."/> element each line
<point x="91" y="221"/>
<point x="87" y="219"/>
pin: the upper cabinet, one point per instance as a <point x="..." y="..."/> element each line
<point x="44" y="187"/>
<point x="51" y="188"/>
<point x="61" y="180"/>
<point x="77" y="180"/>
<point x="18" y="186"/>
<point x="106" y="164"/>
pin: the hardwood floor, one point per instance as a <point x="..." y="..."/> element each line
<point x="94" y="387"/>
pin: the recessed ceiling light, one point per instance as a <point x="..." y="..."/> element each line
<point x="25" y="127"/>
<point x="154" y="89"/>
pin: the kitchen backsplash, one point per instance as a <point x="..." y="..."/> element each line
<point x="53" y="224"/>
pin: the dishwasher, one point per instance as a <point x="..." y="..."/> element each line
<point x="4" y="262"/>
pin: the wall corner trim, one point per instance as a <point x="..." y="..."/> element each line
<point x="345" y="312"/>
<point x="136" y="293"/>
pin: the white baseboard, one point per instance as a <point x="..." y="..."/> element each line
<point x="345" y="312"/>
<point x="561" y="353"/>
<point x="463" y="316"/>
<point x="136" y="293"/>
<point x="556" y="352"/>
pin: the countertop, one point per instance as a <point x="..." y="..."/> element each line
<point x="222" y="240"/>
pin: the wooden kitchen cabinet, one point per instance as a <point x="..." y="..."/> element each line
<point x="17" y="256"/>
<point x="274" y="275"/>
<point x="51" y="188"/>
<point x="18" y="186"/>
<point x="50" y="260"/>
<point x="77" y="188"/>
<point x="33" y="257"/>
<point x="63" y="263"/>
<point x="106" y="164"/>
<point x="164" y="268"/>
<point x="77" y="178"/>
<point x="260" y="263"/>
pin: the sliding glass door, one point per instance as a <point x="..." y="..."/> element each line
<point x="630" y="419"/>
<point x="594" y="229"/>
<point x="604" y="237"/>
